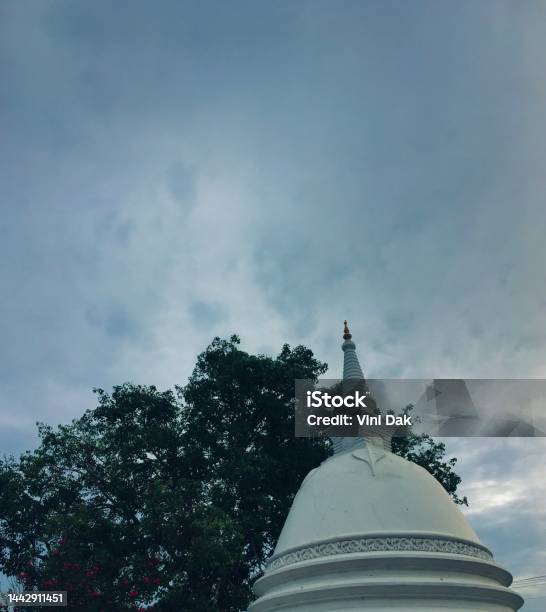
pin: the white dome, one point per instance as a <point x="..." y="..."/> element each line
<point x="371" y="531"/>
<point x="343" y="497"/>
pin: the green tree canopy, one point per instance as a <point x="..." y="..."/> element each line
<point x="170" y="499"/>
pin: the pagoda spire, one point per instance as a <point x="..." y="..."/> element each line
<point x="351" y="365"/>
<point x="351" y="371"/>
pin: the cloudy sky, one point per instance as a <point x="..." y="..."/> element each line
<point x="173" y="171"/>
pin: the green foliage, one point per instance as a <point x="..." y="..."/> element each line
<point x="170" y="500"/>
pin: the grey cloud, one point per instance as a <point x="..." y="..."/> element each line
<point x="181" y="182"/>
<point x="13" y="441"/>
<point x="504" y="481"/>
<point x="206" y="315"/>
<point x="117" y="322"/>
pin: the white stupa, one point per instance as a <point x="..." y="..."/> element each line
<point x="371" y="531"/>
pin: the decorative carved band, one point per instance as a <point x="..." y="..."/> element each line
<point x="379" y="544"/>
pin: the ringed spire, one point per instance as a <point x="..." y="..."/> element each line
<point x="351" y="365"/>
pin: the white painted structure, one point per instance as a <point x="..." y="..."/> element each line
<point x="371" y="531"/>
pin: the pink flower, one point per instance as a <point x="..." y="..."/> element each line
<point x="147" y="579"/>
<point x="133" y="593"/>
<point x="63" y="541"/>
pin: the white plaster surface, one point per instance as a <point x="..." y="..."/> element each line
<point x="371" y="531"/>
<point x="344" y="497"/>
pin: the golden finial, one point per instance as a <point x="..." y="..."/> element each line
<point x="346" y="333"/>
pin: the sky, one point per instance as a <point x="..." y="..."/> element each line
<point x="174" y="171"/>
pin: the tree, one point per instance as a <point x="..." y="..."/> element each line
<point x="170" y="500"/>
